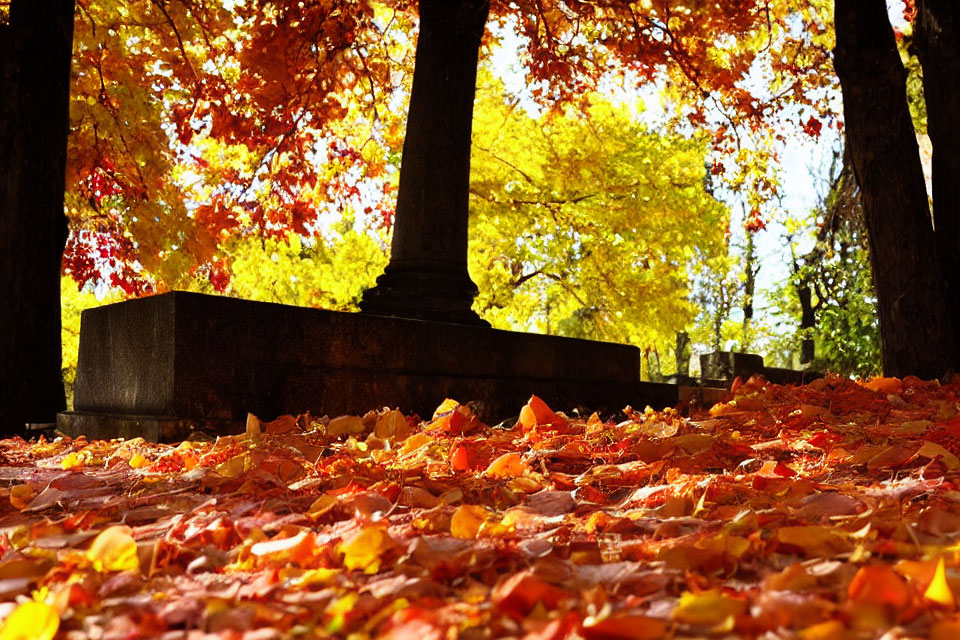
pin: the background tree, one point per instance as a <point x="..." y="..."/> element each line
<point x="829" y="296"/>
<point x="197" y="122"/>
<point x="35" y="46"/>
<point x="912" y="253"/>
<point x="585" y="223"/>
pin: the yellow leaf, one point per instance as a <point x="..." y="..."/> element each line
<point x="253" y="428"/>
<point x="829" y="630"/>
<point x="303" y="578"/>
<point x="709" y="609"/>
<point x="933" y="451"/>
<point x="815" y="540"/>
<point x="448" y="405"/>
<point x="72" y="461"/>
<point x="137" y="461"/>
<point x="939" y="591"/>
<point x="31" y="620"/>
<point x="233" y="467"/>
<point x="21" y="495"/>
<point x="363" y="549"/>
<point x="524" y="484"/>
<point x="734" y="546"/>
<point x="114" y="549"/>
<point x="467" y="520"/>
<point x="625" y="627"/>
<point x="338" y="610"/>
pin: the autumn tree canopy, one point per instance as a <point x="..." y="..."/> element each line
<point x="195" y="121"/>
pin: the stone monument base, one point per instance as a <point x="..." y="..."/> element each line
<point x="166" y="366"/>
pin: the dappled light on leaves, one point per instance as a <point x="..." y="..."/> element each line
<point x="31" y="620"/>
<point x="826" y="512"/>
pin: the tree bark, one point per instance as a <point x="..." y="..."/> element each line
<point x="808" y="322"/>
<point x="33" y="143"/>
<point x="916" y="331"/>
<point x="427" y="276"/>
<point x="937" y="44"/>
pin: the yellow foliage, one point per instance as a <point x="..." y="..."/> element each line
<point x="114" y="549"/>
<point x="21" y="495"/>
<point x="815" y="540"/>
<point x="938" y="590"/>
<point x="467" y="521"/>
<point x="364" y="549"/>
<point x="31" y="620"/>
<point x="709" y="609"/>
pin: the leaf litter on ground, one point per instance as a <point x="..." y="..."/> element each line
<point x="826" y="511"/>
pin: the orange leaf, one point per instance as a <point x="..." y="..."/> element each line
<point x="883" y="385"/>
<point x="392" y="425"/>
<point x="509" y="465"/>
<point x="879" y="585"/>
<point x="625" y="627"/>
<point x="21" y="495"/>
<point x="298" y="548"/>
<point x="520" y="593"/>
<point x="467" y="520"/>
<point x="537" y="413"/>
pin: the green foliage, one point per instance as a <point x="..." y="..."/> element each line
<point x="73" y="300"/>
<point x="846" y="334"/>
<point x="585" y="224"/>
<point x="718" y="293"/>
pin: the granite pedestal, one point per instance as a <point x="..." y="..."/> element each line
<point x="165" y="366"/>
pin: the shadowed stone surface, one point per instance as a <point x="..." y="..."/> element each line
<point x="164" y="366"/>
<point x="719" y="368"/>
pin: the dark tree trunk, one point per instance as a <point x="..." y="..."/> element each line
<point x="682" y="353"/>
<point x="749" y="288"/>
<point x="808" y="321"/>
<point x="427" y="276"/>
<point x="916" y="331"/>
<point x="937" y="43"/>
<point x="34" y="120"/>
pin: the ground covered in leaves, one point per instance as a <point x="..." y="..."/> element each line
<point x="826" y="511"/>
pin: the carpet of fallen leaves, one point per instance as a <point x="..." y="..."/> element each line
<point x="826" y="511"/>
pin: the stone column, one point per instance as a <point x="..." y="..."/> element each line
<point x="427" y="276"/>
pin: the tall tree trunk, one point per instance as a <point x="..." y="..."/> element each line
<point x="916" y="331"/>
<point x="808" y="321"/>
<point x="427" y="276"/>
<point x="749" y="288"/>
<point x="937" y="43"/>
<point x="33" y="229"/>
<point x="682" y="353"/>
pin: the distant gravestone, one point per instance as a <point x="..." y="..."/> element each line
<point x="727" y="365"/>
<point x="723" y="366"/>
